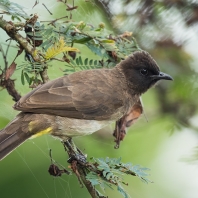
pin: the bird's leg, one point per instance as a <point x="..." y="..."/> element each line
<point x="126" y="121"/>
<point x="74" y="152"/>
<point x="120" y="131"/>
<point x="75" y="157"/>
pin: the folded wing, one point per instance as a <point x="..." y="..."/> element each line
<point x="91" y="94"/>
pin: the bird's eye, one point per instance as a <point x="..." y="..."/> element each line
<point x="144" y="72"/>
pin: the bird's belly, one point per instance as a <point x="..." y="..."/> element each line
<point x="77" y="127"/>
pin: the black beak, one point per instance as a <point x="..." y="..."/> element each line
<point x="162" y="76"/>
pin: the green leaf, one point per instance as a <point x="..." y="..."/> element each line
<point x="77" y="61"/>
<point x="107" y="160"/>
<point x="82" y="68"/>
<point x="94" y="182"/>
<point x="45" y="43"/>
<point x="15" y="17"/>
<point x="95" y="62"/>
<point x="93" y="178"/>
<point x="82" y="40"/>
<point x="110" y="47"/>
<point x="31" y="80"/>
<point x="93" y="33"/>
<point x="72" y="62"/>
<point x="107" y="41"/>
<point x="109" y="175"/>
<point x="118" y="160"/>
<point x="103" y="165"/>
<point x="104" y="185"/>
<point x="35" y="34"/>
<point x="69" y="71"/>
<point x="100" y="194"/>
<point x="96" y="49"/>
<point x="123" y="192"/>
<point x="47" y="33"/>
<point x="13" y="9"/>
<point x="22" y="78"/>
<point x="104" y="173"/>
<point x="27" y="77"/>
<point x="80" y="60"/>
<point x="86" y="61"/>
<point x="90" y="62"/>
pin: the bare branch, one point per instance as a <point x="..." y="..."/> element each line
<point x="10" y="87"/>
<point x="8" y="48"/>
<point x="4" y="57"/>
<point x="11" y="30"/>
<point x="47" y="8"/>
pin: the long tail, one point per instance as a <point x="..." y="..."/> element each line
<point x="24" y="126"/>
<point x="14" y="134"/>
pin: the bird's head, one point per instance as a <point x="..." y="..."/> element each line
<point x="141" y="72"/>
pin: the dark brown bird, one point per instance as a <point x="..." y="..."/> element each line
<point x="83" y="102"/>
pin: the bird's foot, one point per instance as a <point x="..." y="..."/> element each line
<point x="119" y="132"/>
<point x="75" y="154"/>
<point x="80" y="158"/>
<point x="119" y="136"/>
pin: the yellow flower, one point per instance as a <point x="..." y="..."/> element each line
<point x="58" y="48"/>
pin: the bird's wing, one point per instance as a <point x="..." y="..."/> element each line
<point x="82" y="95"/>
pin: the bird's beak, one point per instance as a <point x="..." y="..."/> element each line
<point x="162" y="76"/>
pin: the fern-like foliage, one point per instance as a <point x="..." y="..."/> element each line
<point x="56" y="38"/>
<point x="108" y="172"/>
<point x="86" y="64"/>
<point x="13" y="9"/>
<point x="101" y="42"/>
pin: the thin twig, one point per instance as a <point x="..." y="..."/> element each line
<point x="4" y="57"/>
<point x="8" y="83"/>
<point x="8" y="48"/>
<point x="47" y="8"/>
<point x="58" y="59"/>
<point x="53" y="21"/>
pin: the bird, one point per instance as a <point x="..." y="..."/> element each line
<point x="83" y="102"/>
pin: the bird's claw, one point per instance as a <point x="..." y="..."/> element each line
<point x="79" y="157"/>
<point x="74" y="153"/>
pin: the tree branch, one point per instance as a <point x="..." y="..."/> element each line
<point x="44" y="75"/>
<point x="80" y="166"/>
<point x="5" y="80"/>
<point x="92" y="191"/>
<point x="10" y="87"/>
<point x="11" y="30"/>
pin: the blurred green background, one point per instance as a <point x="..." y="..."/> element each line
<point x="166" y="143"/>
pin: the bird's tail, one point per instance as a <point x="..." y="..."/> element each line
<point x="14" y="134"/>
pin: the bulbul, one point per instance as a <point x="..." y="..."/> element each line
<point x="83" y="102"/>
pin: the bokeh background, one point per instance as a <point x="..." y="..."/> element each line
<point x="166" y="143"/>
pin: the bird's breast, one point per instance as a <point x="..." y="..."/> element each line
<point x="69" y="127"/>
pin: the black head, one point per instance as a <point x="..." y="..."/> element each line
<point x="141" y="72"/>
